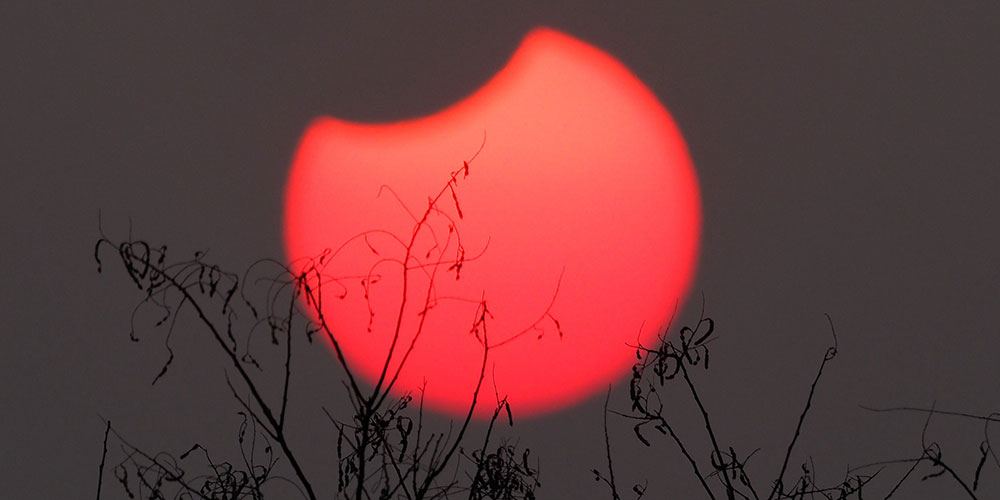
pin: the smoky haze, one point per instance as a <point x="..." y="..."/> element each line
<point x="847" y="158"/>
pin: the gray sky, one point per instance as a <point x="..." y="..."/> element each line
<point x="847" y="155"/>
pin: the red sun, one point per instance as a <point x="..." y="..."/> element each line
<point x="578" y="222"/>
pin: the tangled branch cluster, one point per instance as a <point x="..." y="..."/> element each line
<point x="727" y="473"/>
<point x="383" y="450"/>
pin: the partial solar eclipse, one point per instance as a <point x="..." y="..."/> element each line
<point x="581" y="207"/>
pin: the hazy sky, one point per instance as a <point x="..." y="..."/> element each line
<point x="847" y="155"/>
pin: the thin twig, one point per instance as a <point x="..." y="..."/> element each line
<point x="104" y="455"/>
<point x="607" y="450"/>
<point x="830" y="354"/>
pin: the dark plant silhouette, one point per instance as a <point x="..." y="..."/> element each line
<point x="932" y="457"/>
<point x="384" y="450"/>
<point x="726" y="472"/>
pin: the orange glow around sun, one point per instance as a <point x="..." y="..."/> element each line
<point x="582" y="206"/>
